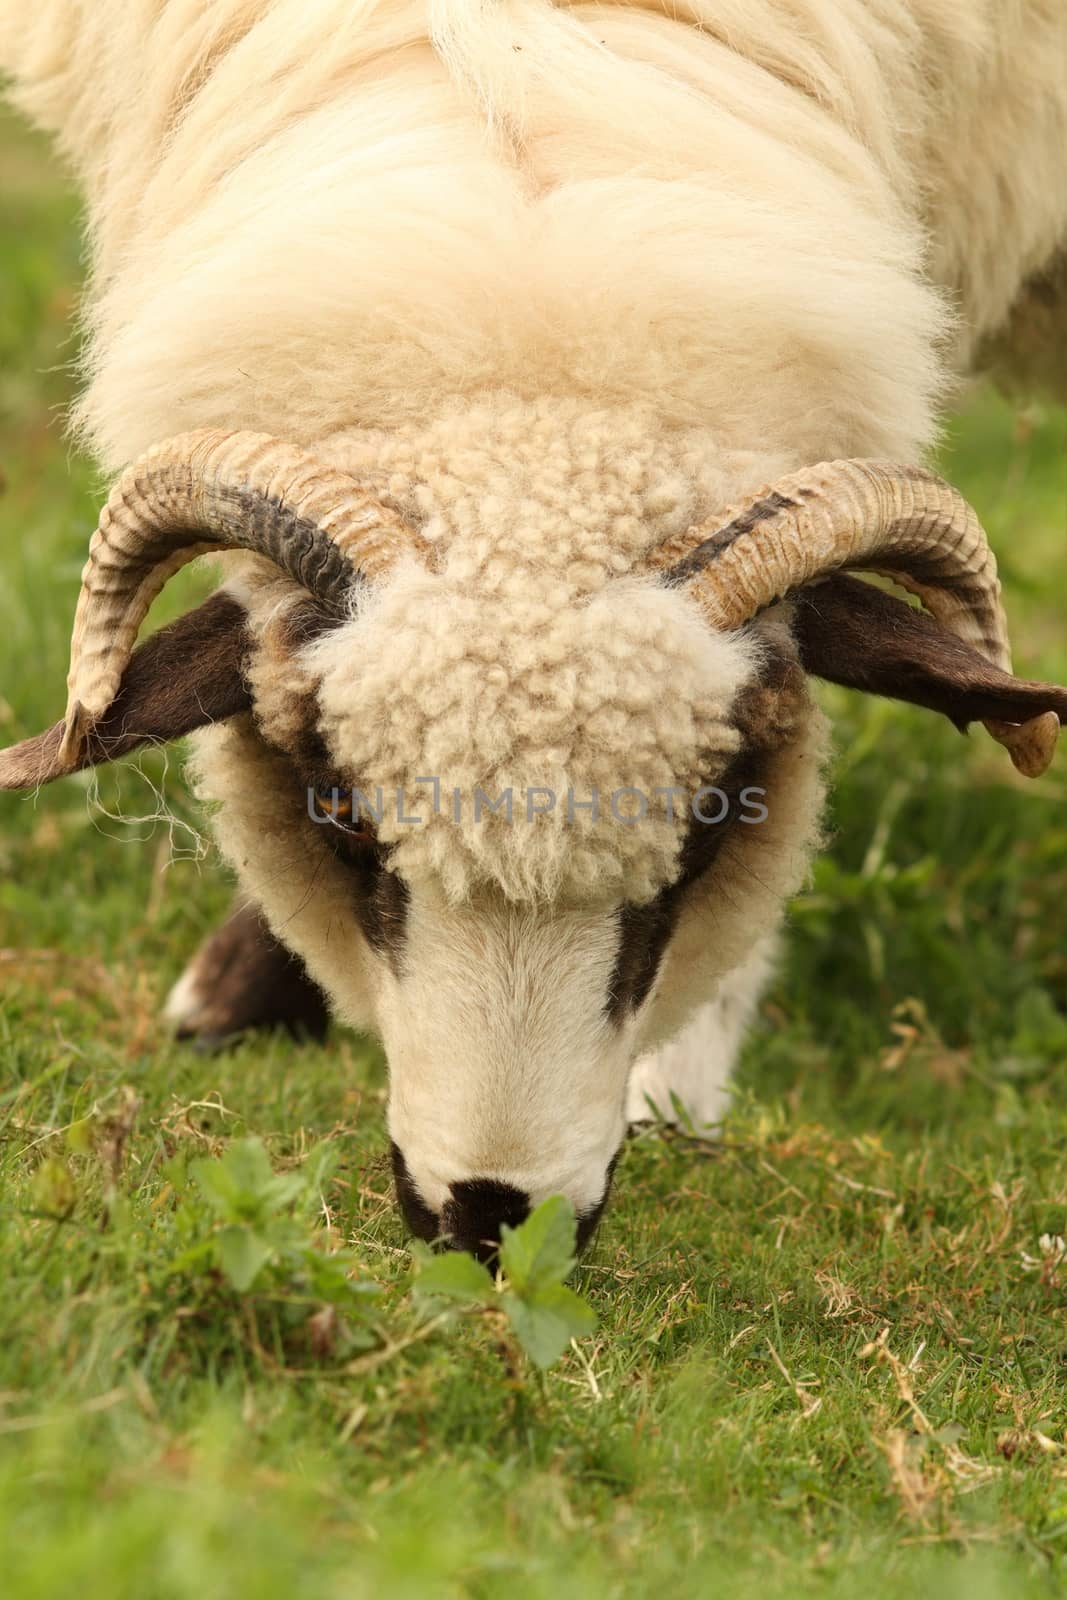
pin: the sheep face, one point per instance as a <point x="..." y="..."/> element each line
<point x="482" y="841"/>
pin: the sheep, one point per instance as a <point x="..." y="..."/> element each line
<point x="537" y="373"/>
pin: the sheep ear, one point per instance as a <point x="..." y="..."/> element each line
<point x="851" y="633"/>
<point x="188" y="674"/>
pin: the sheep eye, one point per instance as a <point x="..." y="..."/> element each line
<point x="336" y="806"/>
<point x="359" y="832"/>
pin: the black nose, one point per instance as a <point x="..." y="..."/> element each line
<point x="476" y="1209"/>
<point x="473" y="1216"/>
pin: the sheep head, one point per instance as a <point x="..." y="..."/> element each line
<point x="359" y="694"/>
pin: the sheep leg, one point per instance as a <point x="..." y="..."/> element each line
<point x="694" y="1068"/>
<point x="242" y="978"/>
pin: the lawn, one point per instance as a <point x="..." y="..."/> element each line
<point x="831" y="1353"/>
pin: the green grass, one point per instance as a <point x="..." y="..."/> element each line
<point x="824" y="1364"/>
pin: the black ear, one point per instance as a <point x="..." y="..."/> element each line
<point x="186" y="675"/>
<point x="852" y="633"/>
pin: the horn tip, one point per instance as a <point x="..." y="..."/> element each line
<point x="76" y="727"/>
<point x="1031" y="745"/>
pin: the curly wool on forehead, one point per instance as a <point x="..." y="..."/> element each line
<point x="627" y="689"/>
<point x="535" y="660"/>
<point x="502" y="484"/>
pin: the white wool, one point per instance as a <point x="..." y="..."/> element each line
<point x="314" y="213"/>
<point x="336" y="238"/>
<point x="561" y="705"/>
<point x="532" y="663"/>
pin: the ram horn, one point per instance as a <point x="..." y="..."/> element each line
<point x="901" y="521"/>
<point x="216" y="490"/>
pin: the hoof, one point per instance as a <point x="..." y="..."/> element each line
<point x="242" y="980"/>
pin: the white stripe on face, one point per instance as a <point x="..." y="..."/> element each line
<point x="504" y="1064"/>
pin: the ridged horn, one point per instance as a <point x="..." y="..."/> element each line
<point x="216" y="490"/>
<point x="901" y="521"/>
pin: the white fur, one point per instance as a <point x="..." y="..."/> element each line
<point x="503" y="1063"/>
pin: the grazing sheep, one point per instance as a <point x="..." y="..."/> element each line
<point x="492" y="343"/>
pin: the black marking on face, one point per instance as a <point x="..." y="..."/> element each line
<point x="381" y="896"/>
<point x="645" y="930"/>
<point x="382" y="900"/>
<point x="704" y="841"/>
<point x="306" y="622"/>
<point x="766" y="714"/>
<point x="476" y="1210"/>
<point x="306" y="749"/>
<point x="644" y="933"/>
<point x="420" y="1218"/>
